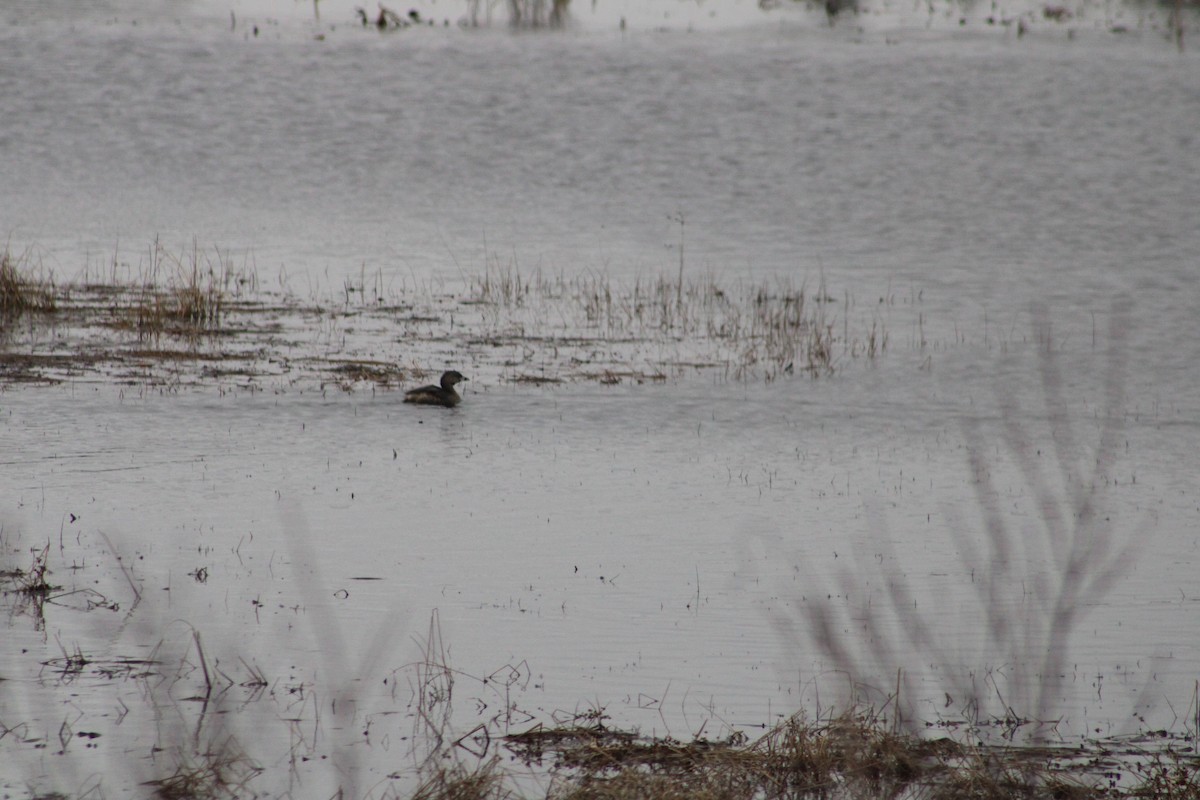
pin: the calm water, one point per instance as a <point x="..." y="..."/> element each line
<point x="657" y="549"/>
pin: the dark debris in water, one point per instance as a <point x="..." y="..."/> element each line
<point x="379" y="372"/>
<point x="43" y="368"/>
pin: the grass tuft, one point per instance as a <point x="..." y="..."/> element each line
<point x="22" y="288"/>
<point x="1169" y="778"/>
<point x="222" y="773"/>
<point x="33" y="582"/>
<point x="192" y="300"/>
<point x="456" y="781"/>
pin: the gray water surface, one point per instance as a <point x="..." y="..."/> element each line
<point x="653" y="549"/>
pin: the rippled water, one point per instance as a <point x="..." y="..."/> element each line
<point x="655" y="549"/>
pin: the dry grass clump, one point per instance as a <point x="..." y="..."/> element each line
<point x="1009" y="775"/>
<point x="702" y="784"/>
<point x="190" y="300"/>
<point x="33" y="581"/>
<point x="225" y="773"/>
<point x="1169" y="778"/>
<point x="457" y="781"/>
<point x="857" y="754"/>
<point x="174" y="294"/>
<point x="855" y="748"/>
<point x="21" y="289"/>
<point x="852" y="755"/>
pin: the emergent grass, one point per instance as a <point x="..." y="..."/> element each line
<point x="764" y="329"/>
<point x="528" y="327"/>
<point x="188" y="302"/>
<point x="22" y="287"/>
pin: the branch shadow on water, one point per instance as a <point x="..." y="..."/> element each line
<point x="1032" y="581"/>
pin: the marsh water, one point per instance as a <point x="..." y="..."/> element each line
<point x="691" y="555"/>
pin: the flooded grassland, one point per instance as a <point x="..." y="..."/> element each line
<point x="831" y="427"/>
<point x="721" y="539"/>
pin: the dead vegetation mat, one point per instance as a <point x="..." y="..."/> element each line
<point x="190" y="322"/>
<point x="856" y="755"/>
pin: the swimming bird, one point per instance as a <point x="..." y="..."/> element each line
<point x="443" y="395"/>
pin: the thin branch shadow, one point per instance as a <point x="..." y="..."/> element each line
<point x="1024" y="653"/>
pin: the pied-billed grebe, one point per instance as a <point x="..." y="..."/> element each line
<point x="443" y="395"/>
